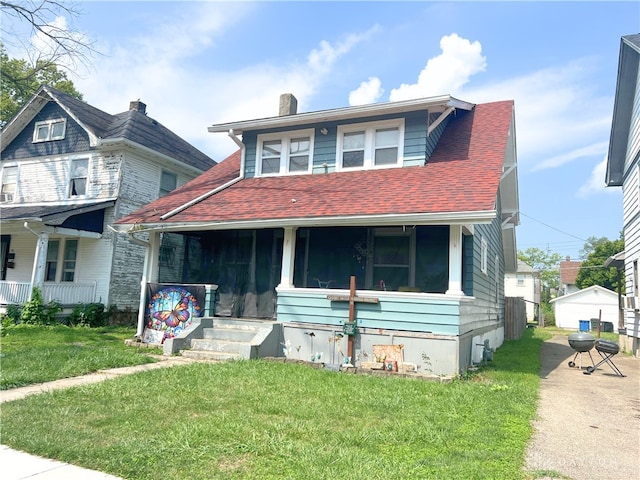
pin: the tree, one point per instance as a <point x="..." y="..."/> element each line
<point x="43" y="52"/>
<point x="546" y="263"/>
<point x="593" y="272"/>
<point x="50" y="41"/>
<point x="20" y="80"/>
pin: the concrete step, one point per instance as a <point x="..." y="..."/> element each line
<point x="231" y="332"/>
<point x="216" y="345"/>
<point x="210" y="355"/>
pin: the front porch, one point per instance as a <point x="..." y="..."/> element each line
<point x="64" y="293"/>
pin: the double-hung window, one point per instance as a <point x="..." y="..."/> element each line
<point x="9" y="181"/>
<point x="290" y="152"/>
<point x="78" y="176"/>
<point x="370" y="145"/>
<point x="50" y="130"/>
<point x="69" y="260"/>
<point x="168" y="182"/>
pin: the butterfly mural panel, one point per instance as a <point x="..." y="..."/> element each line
<point x="171" y="309"/>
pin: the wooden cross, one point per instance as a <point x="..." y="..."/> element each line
<point x="352" y="298"/>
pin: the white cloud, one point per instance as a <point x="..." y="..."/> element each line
<point x="187" y="97"/>
<point x="587" y="151"/>
<point x="446" y="73"/>
<point x="559" y="117"/>
<point x="368" y="92"/>
<point x="596" y="182"/>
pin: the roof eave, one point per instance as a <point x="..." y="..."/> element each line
<point x="338" y="114"/>
<point x="115" y="143"/>
<point x="443" y="218"/>
<point x="628" y="65"/>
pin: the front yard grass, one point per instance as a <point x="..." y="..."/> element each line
<point x="35" y="354"/>
<point x="266" y="420"/>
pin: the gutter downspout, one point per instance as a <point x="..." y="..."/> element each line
<point x="217" y="189"/>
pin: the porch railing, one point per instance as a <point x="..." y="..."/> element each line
<point x="63" y="293"/>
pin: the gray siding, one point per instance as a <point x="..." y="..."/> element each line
<point x="76" y="138"/>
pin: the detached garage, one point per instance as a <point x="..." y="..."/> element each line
<point x="584" y="305"/>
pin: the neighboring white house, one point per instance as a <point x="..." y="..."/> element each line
<point x="586" y="304"/>
<point x="623" y="169"/>
<point x="524" y="283"/>
<point x="67" y="171"/>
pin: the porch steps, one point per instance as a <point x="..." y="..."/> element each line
<point x="235" y="339"/>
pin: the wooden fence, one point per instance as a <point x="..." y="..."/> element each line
<point x="515" y="317"/>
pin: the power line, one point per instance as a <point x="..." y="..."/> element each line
<point x="553" y="228"/>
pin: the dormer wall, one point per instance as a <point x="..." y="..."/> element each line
<point x="417" y="145"/>
<point x="75" y="138"/>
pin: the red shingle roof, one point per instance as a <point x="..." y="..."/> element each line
<point x="462" y="175"/>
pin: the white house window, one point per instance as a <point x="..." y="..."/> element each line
<point x="483" y="256"/>
<point x="289" y="152"/>
<point x="168" y="183"/>
<point x="69" y="262"/>
<point x="50" y="130"/>
<point x="78" y="177"/>
<point x="520" y="279"/>
<point x="9" y="182"/>
<point x="51" y="266"/>
<point x="64" y="271"/>
<point x="370" y="145"/>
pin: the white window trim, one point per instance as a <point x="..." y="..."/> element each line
<point x="49" y="123"/>
<point x="484" y="247"/>
<point x="9" y="197"/>
<point x="370" y="128"/>
<point x="285" y="137"/>
<point x="69" y="177"/>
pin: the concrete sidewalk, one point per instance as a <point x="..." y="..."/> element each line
<point x="587" y="426"/>
<point x="18" y="465"/>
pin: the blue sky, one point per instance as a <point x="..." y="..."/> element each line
<point x="199" y="63"/>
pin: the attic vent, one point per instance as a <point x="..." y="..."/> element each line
<point x="288" y="104"/>
<point x="138" y="105"/>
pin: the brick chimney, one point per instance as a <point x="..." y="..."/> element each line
<point x="288" y="104"/>
<point x="139" y="106"/>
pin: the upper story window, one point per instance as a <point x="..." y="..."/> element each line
<point x="78" y="177"/>
<point x="168" y="183"/>
<point x="520" y="279"/>
<point x="289" y="152"/>
<point x="50" y="130"/>
<point x="9" y="182"/>
<point x="370" y="145"/>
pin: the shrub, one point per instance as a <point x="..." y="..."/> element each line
<point x="88" y="315"/>
<point x="35" y="311"/>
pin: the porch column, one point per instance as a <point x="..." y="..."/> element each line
<point x="149" y="274"/>
<point x="39" y="262"/>
<point x="288" y="257"/>
<point x="455" y="260"/>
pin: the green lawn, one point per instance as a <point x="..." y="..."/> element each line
<point x="269" y="420"/>
<point x="34" y="354"/>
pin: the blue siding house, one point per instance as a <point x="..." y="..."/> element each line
<point x="410" y="207"/>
